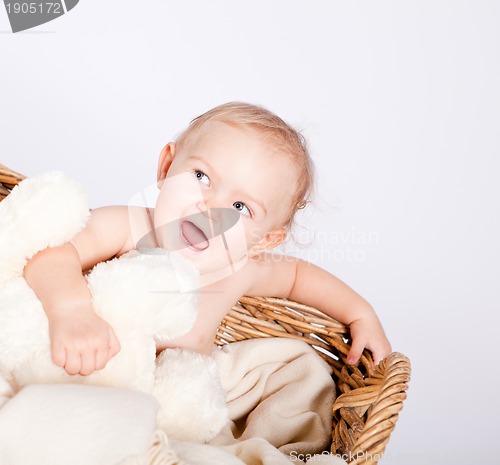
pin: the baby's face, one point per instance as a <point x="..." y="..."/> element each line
<point x="225" y="189"/>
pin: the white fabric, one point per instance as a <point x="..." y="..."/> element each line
<point x="193" y="453"/>
<point x="75" y="424"/>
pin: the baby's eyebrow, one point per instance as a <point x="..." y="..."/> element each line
<point x="199" y="159"/>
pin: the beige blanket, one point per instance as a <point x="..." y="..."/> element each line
<point x="280" y="395"/>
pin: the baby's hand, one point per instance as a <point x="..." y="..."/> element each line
<point x="82" y="342"/>
<point x="368" y="333"/>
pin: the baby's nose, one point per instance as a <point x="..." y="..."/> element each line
<point x="222" y="219"/>
<point x="208" y="214"/>
<point x="204" y="209"/>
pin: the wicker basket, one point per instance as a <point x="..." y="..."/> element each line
<point x="371" y="397"/>
<point x="366" y="411"/>
<point x="8" y="180"/>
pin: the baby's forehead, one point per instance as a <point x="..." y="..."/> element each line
<point x="263" y="150"/>
<point x="220" y="129"/>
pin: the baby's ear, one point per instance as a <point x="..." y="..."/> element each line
<point x="164" y="162"/>
<point x="270" y="240"/>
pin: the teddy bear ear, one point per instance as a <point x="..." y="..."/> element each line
<point x="41" y="211"/>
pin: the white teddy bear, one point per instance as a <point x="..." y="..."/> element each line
<point x="146" y="296"/>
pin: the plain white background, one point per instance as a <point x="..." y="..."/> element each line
<point x="400" y="103"/>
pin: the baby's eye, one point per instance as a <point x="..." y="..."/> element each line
<point x="242" y="208"/>
<point x="202" y="177"/>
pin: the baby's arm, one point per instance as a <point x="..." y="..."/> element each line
<point x="298" y="280"/>
<point x="81" y="341"/>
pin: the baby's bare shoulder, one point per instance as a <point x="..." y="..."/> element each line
<point x="108" y="233"/>
<point x="140" y="228"/>
<point x="271" y="275"/>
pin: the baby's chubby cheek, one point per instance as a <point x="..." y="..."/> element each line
<point x="180" y="196"/>
<point x="234" y="237"/>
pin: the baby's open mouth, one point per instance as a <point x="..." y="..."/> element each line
<point x="194" y="236"/>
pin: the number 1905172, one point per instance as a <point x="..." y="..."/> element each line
<point x="33" y="8"/>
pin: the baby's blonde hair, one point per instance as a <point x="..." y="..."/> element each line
<point x="287" y="139"/>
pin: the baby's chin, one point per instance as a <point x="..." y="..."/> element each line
<point x="215" y="262"/>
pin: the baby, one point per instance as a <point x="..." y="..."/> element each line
<point x="229" y="189"/>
